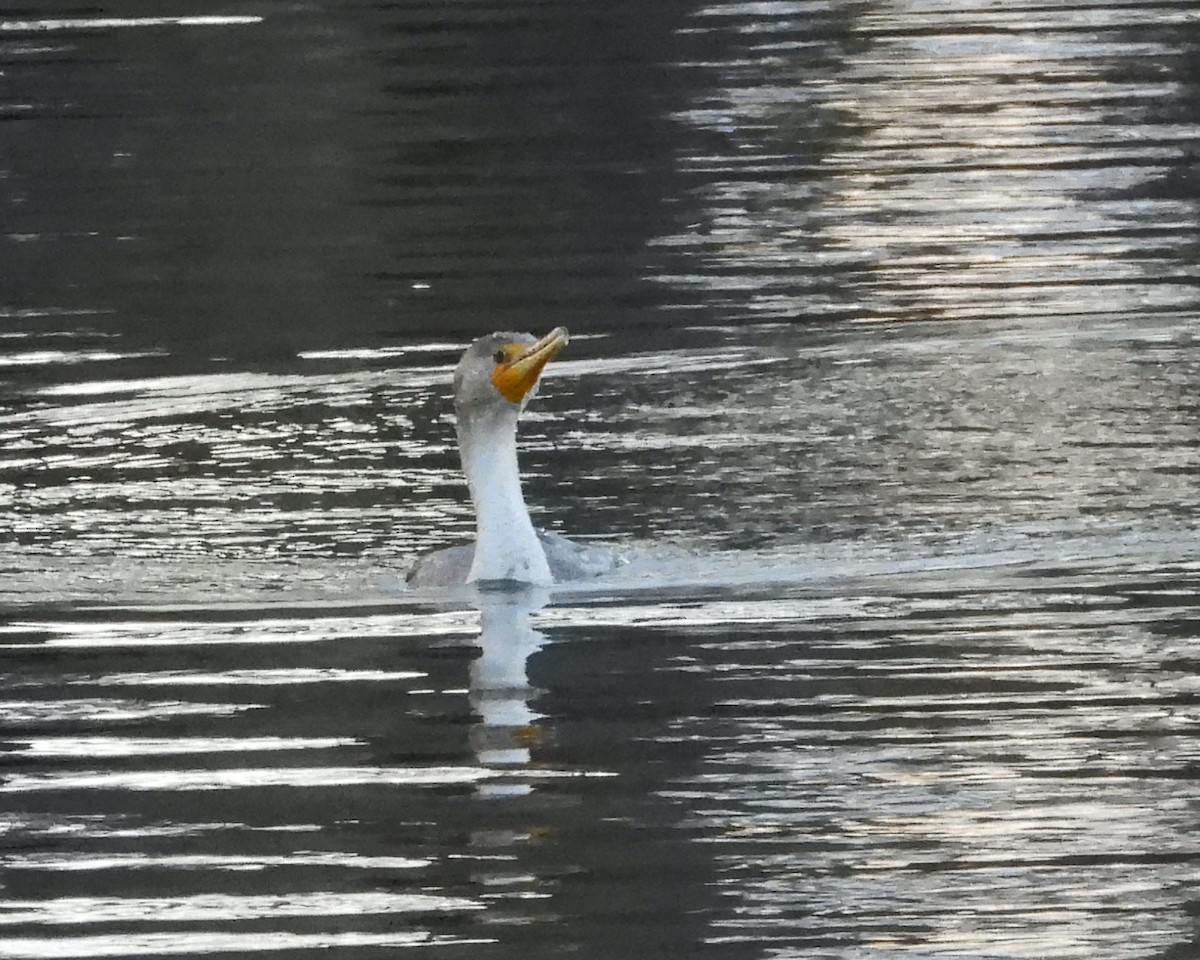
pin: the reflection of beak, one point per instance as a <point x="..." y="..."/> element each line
<point x="517" y="377"/>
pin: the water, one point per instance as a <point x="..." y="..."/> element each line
<point x="883" y="376"/>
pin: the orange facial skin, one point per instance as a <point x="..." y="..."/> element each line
<point x="519" y="365"/>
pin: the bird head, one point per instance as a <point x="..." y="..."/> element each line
<point x="503" y="369"/>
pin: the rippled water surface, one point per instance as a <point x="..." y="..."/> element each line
<point x="884" y="379"/>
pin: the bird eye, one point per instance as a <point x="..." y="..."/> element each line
<point x="499" y="356"/>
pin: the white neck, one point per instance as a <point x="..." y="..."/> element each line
<point x="506" y="545"/>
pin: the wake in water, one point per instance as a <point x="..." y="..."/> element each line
<point x="670" y="568"/>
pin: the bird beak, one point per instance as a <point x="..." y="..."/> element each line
<point x="519" y="374"/>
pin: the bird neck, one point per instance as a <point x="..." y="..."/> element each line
<point x="506" y="545"/>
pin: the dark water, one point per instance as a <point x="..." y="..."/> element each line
<point x="884" y="377"/>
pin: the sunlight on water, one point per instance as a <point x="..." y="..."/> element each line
<point x="966" y="165"/>
<point x="59" y="357"/>
<point x="21" y="713"/>
<point x="904" y="644"/>
<point x="70" y="911"/>
<point x="109" y="23"/>
<point x="254" y="678"/>
<point x="264" y="630"/>
<point x="208" y="942"/>
<point x="204" y="862"/>
<point x="235" y="778"/>
<point x="902" y="662"/>
<point x="147" y="746"/>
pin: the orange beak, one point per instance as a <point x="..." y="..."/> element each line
<point x="518" y="374"/>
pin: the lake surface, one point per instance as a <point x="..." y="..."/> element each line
<point x="884" y="378"/>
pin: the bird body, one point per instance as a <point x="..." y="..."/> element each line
<point x="496" y="377"/>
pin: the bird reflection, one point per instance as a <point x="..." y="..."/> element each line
<point x="502" y="739"/>
<point x="499" y="690"/>
<point x="566" y="854"/>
